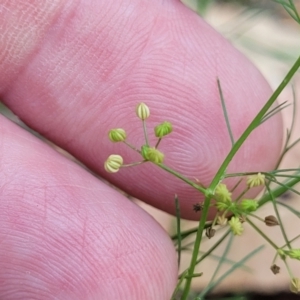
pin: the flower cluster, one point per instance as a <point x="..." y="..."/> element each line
<point x="114" y="162"/>
<point x="231" y="212"/>
<point x="237" y="209"/>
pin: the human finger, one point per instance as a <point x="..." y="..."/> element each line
<point x="66" y="235"/>
<point x="87" y="67"/>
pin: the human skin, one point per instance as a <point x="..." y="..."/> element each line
<point x="74" y="70"/>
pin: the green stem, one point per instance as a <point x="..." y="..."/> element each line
<point x="278" y="191"/>
<point x="288" y="269"/>
<point x="279" y="218"/>
<point x="214" y="246"/>
<point x="221" y="172"/>
<point x="225" y="113"/>
<point x="158" y="142"/>
<point x="183" y="178"/>
<point x="209" y="252"/>
<point x="257" y="217"/>
<point x="227" y="273"/>
<point x="262" y="234"/>
<point x="133" y="164"/>
<point x="145" y="133"/>
<point x="131" y="146"/>
<point x="255" y="122"/>
<point x="196" y="248"/>
<point x="178" y="286"/>
<point x="178" y="229"/>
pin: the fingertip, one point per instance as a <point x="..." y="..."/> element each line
<point x="88" y="77"/>
<point x="65" y="234"/>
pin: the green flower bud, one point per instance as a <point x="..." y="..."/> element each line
<point x="222" y="197"/>
<point x="293" y="253"/>
<point x="248" y="205"/>
<point x="144" y="151"/>
<point x="222" y="194"/>
<point x="255" y="180"/>
<point x="113" y="163"/>
<point x="236" y="226"/>
<point x="142" y="111"/>
<point x="152" y="154"/>
<point x="117" y="135"/>
<point x="295" y="285"/>
<point x="222" y="205"/>
<point x="163" y="129"/>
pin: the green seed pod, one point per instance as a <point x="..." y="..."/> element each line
<point x="142" y="111"/>
<point x="117" y="135"/>
<point x="144" y="151"/>
<point x="153" y="155"/>
<point x="163" y="129"/>
<point x="113" y="163"/>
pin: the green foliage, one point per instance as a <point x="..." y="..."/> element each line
<point x="231" y="213"/>
<point x="290" y="7"/>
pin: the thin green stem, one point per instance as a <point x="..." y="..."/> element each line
<point x="288" y="147"/>
<point x="256" y="217"/>
<point x="276" y="111"/>
<point x="292" y="145"/>
<point x="145" y="132"/>
<point x="221" y="261"/>
<point x="132" y="147"/>
<point x="237" y="184"/>
<point x="183" y="178"/>
<point x="241" y="195"/>
<point x="209" y="252"/>
<point x="285" y="170"/>
<point x="195" y="275"/>
<point x="225" y="112"/>
<point x="178" y="229"/>
<point x="133" y="164"/>
<point x="196" y="246"/>
<point x="226" y="274"/>
<point x="262" y="234"/>
<point x="186" y="233"/>
<point x="255" y="122"/>
<point x="294" y="211"/>
<point x="278" y="190"/>
<point x="288" y="269"/>
<point x="222" y="170"/>
<point x="279" y="218"/>
<point x="178" y="285"/>
<point x="158" y="142"/>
